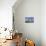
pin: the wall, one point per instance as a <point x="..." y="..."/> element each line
<point x="29" y="8"/>
<point x="43" y="22"/>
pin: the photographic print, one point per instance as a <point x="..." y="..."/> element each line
<point x="29" y="19"/>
